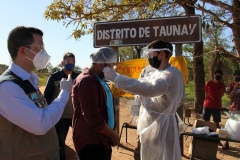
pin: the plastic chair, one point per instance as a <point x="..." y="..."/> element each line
<point x="134" y="111"/>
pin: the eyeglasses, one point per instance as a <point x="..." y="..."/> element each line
<point x="38" y="46"/>
<point x="67" y="62"/>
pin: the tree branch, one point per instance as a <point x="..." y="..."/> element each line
<point x="126" y="10"/>
<point x="228" y="55"/>
<point x="220" y="4"/>
<point x="198" y="7"/>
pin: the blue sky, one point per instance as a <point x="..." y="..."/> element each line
<point x="56" y="36"/>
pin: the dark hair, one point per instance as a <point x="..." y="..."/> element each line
<point x="219" y="71"/>
<point x="169" y="46"/>
<point x="158" y="44"/>
<point x="68" y="54"/>
<point x="21" y="36"/>
<point x="236" y="73"/>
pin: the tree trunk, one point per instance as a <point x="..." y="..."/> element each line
<point x="198" y="68"/>
<point x="199" y="81"/>
<point x="236" y="25"/>
<point x="215" y="64"/>
<point x="138" y="49"/>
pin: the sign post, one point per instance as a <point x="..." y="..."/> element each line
<point x="178" y="52"/>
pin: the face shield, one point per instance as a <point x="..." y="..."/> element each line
<point x="148" y="53"/>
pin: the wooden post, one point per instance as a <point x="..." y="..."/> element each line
<point x="178" y="52"/>
<point x="116" y="100"/>
<point x="178" y="49"/>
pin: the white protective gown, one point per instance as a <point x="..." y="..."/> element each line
<point x="161" y="93"/>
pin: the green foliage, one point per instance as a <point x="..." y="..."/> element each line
<point x="213" y="57"/>
<point x="189" y="100"/>
<point x="55" y="69"/>
<point x="189" y="92"/>
<point x="77" y="69"/>
<point x="3" y="67"/>
<point x="225" y="101"/>
<point x="43" y="77"/>
<point x="127" y="53"/>
<point x="83" y="14"/>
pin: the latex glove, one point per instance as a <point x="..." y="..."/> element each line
<point x="109" y="73"/>
<point x="67" y="84"/>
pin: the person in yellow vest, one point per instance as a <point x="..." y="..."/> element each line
<point x="26" y="120"/>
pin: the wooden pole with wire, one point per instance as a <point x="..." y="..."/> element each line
<point x="178" y="52"/>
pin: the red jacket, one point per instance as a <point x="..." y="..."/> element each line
<point x="90" y="111"/>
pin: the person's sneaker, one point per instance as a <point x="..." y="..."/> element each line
<point x="225" y="146"/>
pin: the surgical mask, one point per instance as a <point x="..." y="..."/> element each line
<point x="154" y="62"/>
<point x="69" y="66"/>
<point x="40" y="59"/>
<point x="217" y="77"/>
<point x="237" y="79"/>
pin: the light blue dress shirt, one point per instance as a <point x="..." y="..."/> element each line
<point x="16" y="106"/>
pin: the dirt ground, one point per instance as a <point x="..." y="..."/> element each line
<point x="125" y="150"/>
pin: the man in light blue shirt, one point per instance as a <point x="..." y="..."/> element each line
<point x="26" y="121"/>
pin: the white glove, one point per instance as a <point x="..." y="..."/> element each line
<point x="66" y="84"/>
<point x="109" y="73"/>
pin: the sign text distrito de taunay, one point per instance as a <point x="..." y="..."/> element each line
<point x="185" y="29"/>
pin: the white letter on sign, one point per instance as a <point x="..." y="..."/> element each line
<point x="162" y="31"/>
<point x="169" y="30"/>
<point x="141" y="32"/>
<point x="126" y="32"/>
<point x="133" y="33"/>
<point x="176" y="30"/>
<point x="192" y="28"/>
<point x="118" y="33"/>
<point x="184" y="30"/>
<point x="99" y="35"/>
<point x="112" y="33"/>
<point x="107" y="34"/>
<point x="147" y="32"/>
<point x="155" y="30"/>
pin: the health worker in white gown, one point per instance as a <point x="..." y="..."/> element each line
<point x="161" y="93"/>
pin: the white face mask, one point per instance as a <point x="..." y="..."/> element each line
<point x="40" y="60"/>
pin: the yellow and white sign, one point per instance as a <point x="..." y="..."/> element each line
<point x="133" y="68"/>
